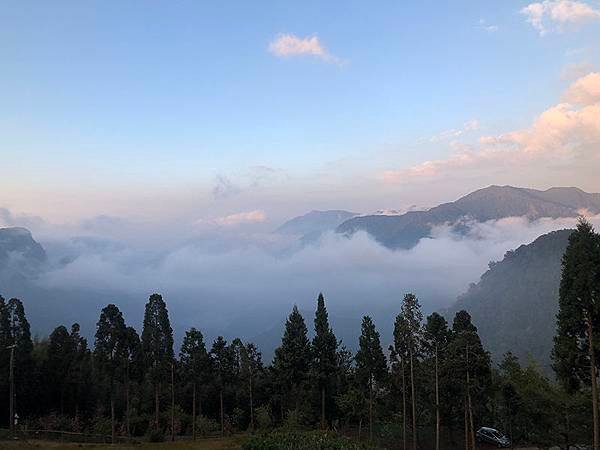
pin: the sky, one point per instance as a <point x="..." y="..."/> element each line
<point x="259" y="111"/>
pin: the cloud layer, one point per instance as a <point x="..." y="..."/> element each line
<point x="557" y="15"/>
<point x="287" y="45"/>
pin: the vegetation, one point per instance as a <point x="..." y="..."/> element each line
<point x="436" y="386"/>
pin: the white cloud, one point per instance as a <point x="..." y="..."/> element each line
<point x="287" y="45"/>
<point x="484" y="25"/>
<point x="471" y="125"/>
<point x="576" y="70"/>
<point x="557" y="15"/>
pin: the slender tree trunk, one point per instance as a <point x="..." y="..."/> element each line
<point x="359" y="428"/>
<point x="112" y="412"/>
<point x="251" y="407"/>
<point x="437" y="402"/>
<point x="371" y="408"/>
<point x="127" y="406"/>
<point x="403" y="407"/>
<point x="194" y="411"/>
<point x="414" y="409"/>
<point x="470" y="406"/>
<point x="172" y="402"/>
<point x="594" y="382"/>
<point x="466" y="424"/>
<point x="222" y="413"/>
<point x="322" y="407"/>
<point x="156" y="405"/>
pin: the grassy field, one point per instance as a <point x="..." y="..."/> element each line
<point x="228" y="443"/>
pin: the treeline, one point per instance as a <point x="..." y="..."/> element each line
<point x="433" y="387"/>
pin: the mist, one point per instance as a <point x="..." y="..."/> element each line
<point x="237" y="281"/>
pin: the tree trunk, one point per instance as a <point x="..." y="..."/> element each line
<point x="371" y="408"/>
<point x="194" y="411"/>
<point x="414" y="409"/>
<point x="594" y="382"/>
<point x="156" y="405"/>
<point x="466" y="424"/>
<point x="469" y="405"/>
<point x="251" y="407"/>
<point x="172" y="402"/>
<point x="112" y="413"/>
<point x="222" y="413"/>
<point x="359" y="428"/>
<point x="403" y="407"/>
<point x="322" y="407"/>
<point x="127" y="406"/>
<point x="437" y="402"/>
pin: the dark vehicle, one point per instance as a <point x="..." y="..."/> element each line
<point x="492" y="436"/>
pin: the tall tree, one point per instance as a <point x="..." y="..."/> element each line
<point x="292" y="359"/>
<point x="109" y="351"/>
<point x="195" y="363"/>
<point x="223" y="362"/>
<point x="469" y="367"/>
<point x="5" y="342"/>
<point x="131" y="369"/>
<point x="371" y="365"/>
<point x="325" y="357"/>
<point x="157" y="346"/>
<point x="575" y="352"/>
<point x="251" y="367"/>
<point x="413" y="318"/>
<point x="436" y="338"/>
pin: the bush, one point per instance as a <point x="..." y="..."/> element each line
<point x="156" y="435"/>
<point x="262" y="418"/>
<point x="206" y="426"/>
<point x="294" y="440"/>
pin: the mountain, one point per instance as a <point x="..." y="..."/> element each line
<point x="493" y="202"/>
<point x="21" y="256"/>
<point x="514" y="305"/>
<point x="310" y="226"/>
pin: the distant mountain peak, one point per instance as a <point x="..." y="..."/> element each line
<point x="489" y="203"/>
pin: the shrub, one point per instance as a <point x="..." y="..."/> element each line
<point x="262" y="418"/>
<point x="156" y="435"/>
<point x="294" y="440"/>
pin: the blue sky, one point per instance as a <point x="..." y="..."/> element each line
<point x="106" y="104"/>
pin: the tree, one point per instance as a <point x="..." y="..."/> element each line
<point x="5" y="342"/>
<point x="575" y="344"/>
<point x="325" y="358"/>
<point x="250" y="368"/>
<point x="195" y="363"/>
<point x="371" y="365"/>
<point x="61" y="357"/>
<point x="133" y="360"/>
<point x="411" y="313"/>
<point x="109" y="351"/>
<point x="223" y="364"/>
<point x="436" y="338"/>
<point x="157" y="346"/>
<point x="292" y="360"/>
<point x="468" y="367"/>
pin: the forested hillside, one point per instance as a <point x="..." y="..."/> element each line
<point x="514" y="305"/>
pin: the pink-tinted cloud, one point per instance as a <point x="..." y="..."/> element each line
<point x="565" y="136"/>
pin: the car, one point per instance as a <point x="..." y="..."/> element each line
<point x="492" y="436"/>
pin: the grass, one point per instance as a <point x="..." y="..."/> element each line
<point x="227" y="443"/>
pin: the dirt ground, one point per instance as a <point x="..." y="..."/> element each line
<point x="228" y="443"/>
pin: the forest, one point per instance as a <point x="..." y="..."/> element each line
<point x="434" y="386"/>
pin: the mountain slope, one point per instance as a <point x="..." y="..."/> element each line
<point x="312" y="225"/>
<point x="493" y="202"/>
<point x="21" y="256"/>
<point x="514" y="304"/>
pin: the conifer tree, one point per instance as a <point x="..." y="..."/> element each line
<point x="195" y="364"/>
<point x="223" y="362"/>
<point x="157" y="346"/>
<point x="251" y="367"/>
<point x="371" y="365"/>
<point x="436" y="338"/>
<point x="575" y="352"/>
<point x="133" y="362"/>
<point x="109" y="351"/>
<point x="324" y="346"/>
<point x="292" y="359"/>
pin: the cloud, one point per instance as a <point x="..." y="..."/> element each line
<point x="471" y="125"/>
<point x="287" y="45"/>
<point x="256" y="216"/>
<point x="224" y="188"/>
<point x="488" y="27"/>
<point x="576" y="70"/>
<point x="563" y="138"/>
<point x="557" y="15"/>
